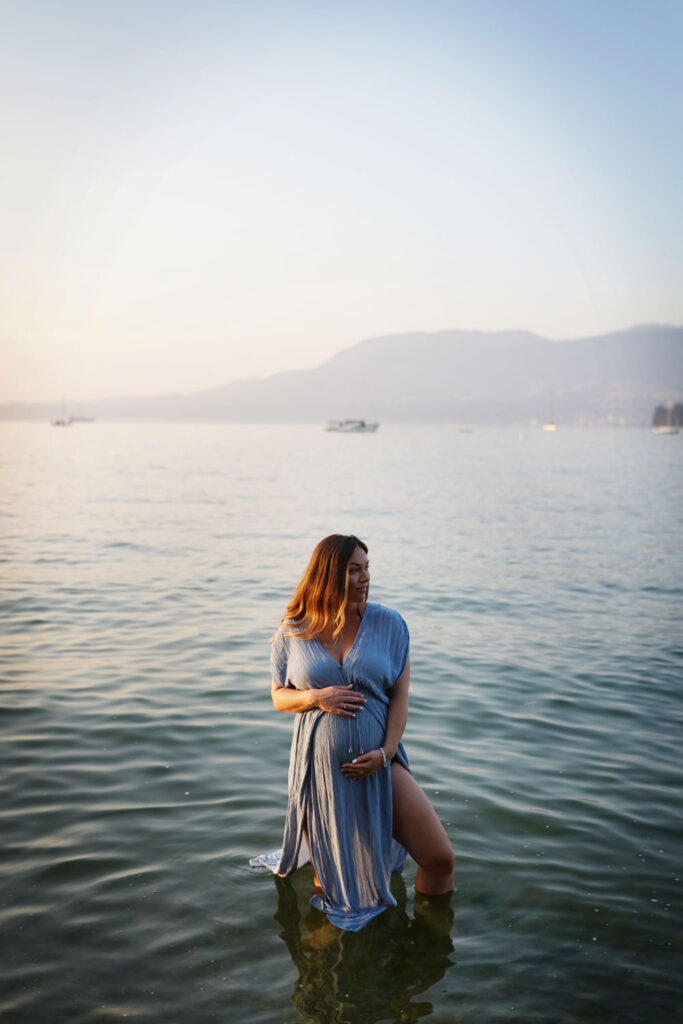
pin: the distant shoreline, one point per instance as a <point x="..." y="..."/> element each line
<point x="468" y="377"/>
<point x="471" y="426"/>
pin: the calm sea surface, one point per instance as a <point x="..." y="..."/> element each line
<point x="143" y="570"/>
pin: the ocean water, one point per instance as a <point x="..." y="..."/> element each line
<point x="144" y="568"/>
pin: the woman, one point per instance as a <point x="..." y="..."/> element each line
<point x="341" y="665"/>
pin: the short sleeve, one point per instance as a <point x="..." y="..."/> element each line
<point x="279" y="653"/>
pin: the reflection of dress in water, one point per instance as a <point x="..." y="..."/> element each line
<point x="371" y="976"/>
<point x="348" y="821"/>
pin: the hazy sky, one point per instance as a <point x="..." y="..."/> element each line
<point x="194" y="192"/>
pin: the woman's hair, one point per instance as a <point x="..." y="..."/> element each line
<point x="320" y="599"/>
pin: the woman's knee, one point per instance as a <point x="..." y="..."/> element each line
<point x="446" y="860"/>
<point x="439" y="859"/>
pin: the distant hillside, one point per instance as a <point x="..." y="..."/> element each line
<point x="464" y="376"/>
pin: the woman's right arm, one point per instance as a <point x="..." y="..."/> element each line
<point x="339" y="700"/>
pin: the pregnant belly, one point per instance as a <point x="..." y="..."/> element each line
<point x="341" y="739"/>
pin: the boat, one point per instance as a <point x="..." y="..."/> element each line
<point x="669" y="427"/>
<point x="66" y="421"/>
<point x="550" y="425"/>
<point x="351" y="427"/>
<point x="63" y="420"/>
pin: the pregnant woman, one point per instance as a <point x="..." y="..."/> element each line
<point x="340" y="664"/>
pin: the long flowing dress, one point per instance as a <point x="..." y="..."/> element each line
<point x="348" y="821"/>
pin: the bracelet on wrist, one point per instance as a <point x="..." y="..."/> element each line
<point x="385" y="763"/>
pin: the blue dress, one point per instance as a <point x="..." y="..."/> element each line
<point x="348" y="821"/>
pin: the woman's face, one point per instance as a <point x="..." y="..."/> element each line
<point x="358" y="575"/>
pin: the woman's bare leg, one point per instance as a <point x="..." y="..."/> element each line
<point x="417" y="827"/>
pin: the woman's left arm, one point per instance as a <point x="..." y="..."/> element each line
<point x="397" y="715"/>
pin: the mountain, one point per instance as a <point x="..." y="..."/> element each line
<point x="466" y="376"/>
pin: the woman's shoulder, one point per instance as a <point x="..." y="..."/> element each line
<point x="388" y="617"/>
<point x="287" y="630"/>
<point x="282" y="641"/>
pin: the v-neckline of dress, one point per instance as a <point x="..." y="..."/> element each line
<point x="341" y="664"/>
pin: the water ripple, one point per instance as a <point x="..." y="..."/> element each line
<point x="143" y="763"/>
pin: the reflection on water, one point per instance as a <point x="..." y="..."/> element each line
<point x="371" y="975"/>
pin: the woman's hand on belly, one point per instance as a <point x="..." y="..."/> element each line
<point x="363" y="765"/>
<point x="340" y="700"/>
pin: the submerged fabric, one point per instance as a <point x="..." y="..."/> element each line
<point x="349" y="821"/>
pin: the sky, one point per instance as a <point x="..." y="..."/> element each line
<point x="198" y="192"/>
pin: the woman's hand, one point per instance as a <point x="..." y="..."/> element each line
<point x="363" y="765"/>
<point x="340" y="700"/>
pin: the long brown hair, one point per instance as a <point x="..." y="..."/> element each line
<point x="321" y="596"/>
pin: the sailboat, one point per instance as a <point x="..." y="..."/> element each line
<point x="550" y="423"/>
<point x="668" y="427"/>
<point x="63" y="420"/>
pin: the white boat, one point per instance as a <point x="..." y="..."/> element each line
<point x="550" y="425"/>
<point x="351" y="427"/>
